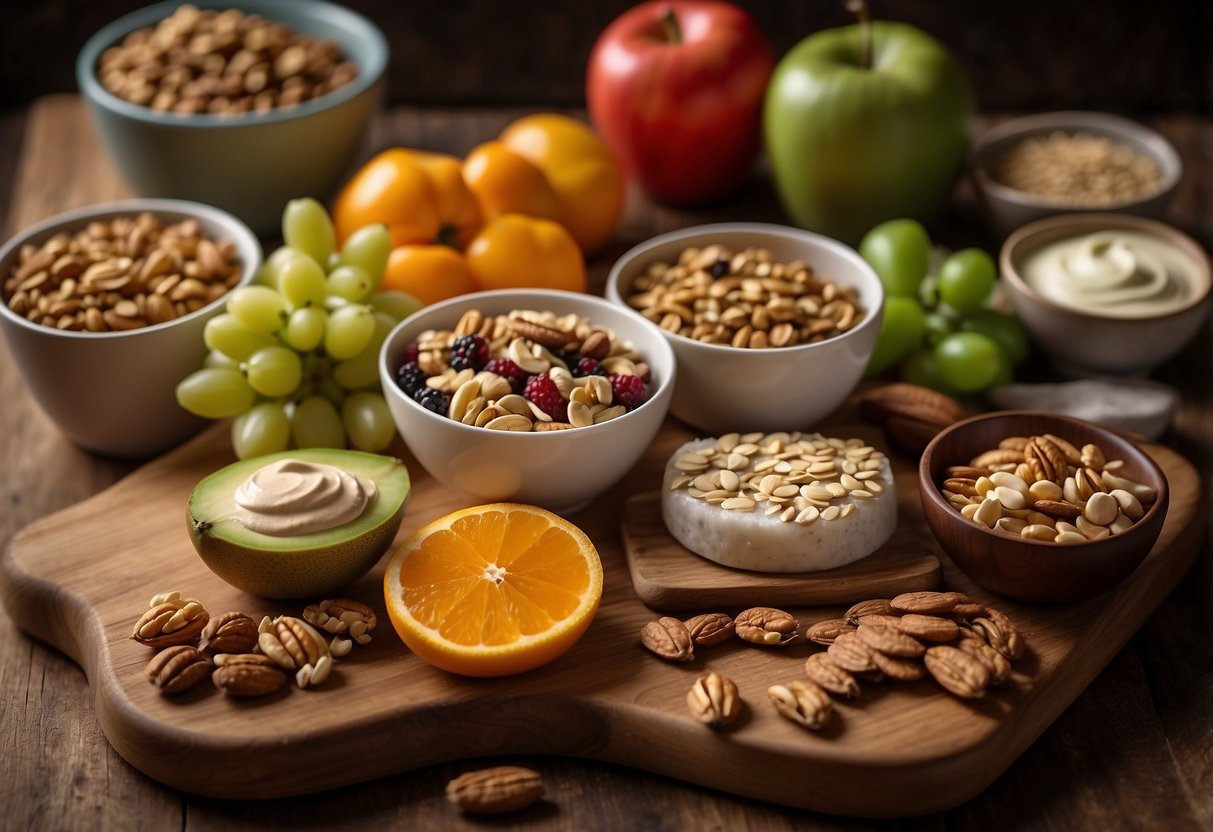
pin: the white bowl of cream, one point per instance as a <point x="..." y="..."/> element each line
<point x="1107" y="293"/>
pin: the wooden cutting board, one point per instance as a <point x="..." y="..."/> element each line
<point x="79" y="578"/>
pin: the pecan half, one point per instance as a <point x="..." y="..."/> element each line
<point x="804" y="703"/>
<point x="668" y="638"/>
<point x="1057" y="508"/>
<point x="596" y="345"/>
<point x="877" y="606"/>
<point x="714" y="700"/>
<point x="176" y="621"/>
<point x="850" y="653"/>
<point x="1000" y="633"/>
<point x="928" y="627"/>
<point x="823" y="670"/>
<point x="229" y="632"/>
<point x="995" y="662"/>
<point x="247" y="674"/>
<point x="957" y="671"/>
<point x="709" y="629"/>
<point x="295" y="645"/>
<point x="178" y="668"/>
<point x="895" y="667"/>
<point x="889" y="640"/>
<point x="928" y="602"/>
<point x="1046" y="459"/>
<point x="551" y="338"/>
<point x="824" y="632"/>
<point x="491" y="791"/>
<point x="766" y="626"/>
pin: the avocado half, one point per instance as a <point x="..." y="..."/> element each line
<point x="299" y="566"/>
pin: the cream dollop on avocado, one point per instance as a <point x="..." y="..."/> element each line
<point x="290" y="497"/>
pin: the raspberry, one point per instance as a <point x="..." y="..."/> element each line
<point x="431" y="399"/>
<point x="410" y="377"/>
<point x="411" y="351"/>
<point x="541" y="390"/>
<point x="469" y="351"/>
<point x="627" y="390"/>
<point x="587" y="366"/>
<point x="509" y="371"/>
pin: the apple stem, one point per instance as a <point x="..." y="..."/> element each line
<point x="859" y="8"/>
<point x="669" y="22"/>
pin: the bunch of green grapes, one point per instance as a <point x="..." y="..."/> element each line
<point x="939" y="329"/>
<point x="294" y="358"/>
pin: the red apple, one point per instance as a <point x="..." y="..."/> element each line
<point x="676" y="87"/>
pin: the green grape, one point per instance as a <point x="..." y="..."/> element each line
<point x="228" y="335"/>
<point x="259" y="308"/>
<point x="271" y="269"/>
<point x="920" y="368"/>
<point x="363" y="369"/>
<point x="350" y="282"/>
<point x="1005" y="329"/>
<point x="301" y="282"/>
<point x="368" y="248"/>
<point x="901" y="330"/>
<point x="306" y="227"/>
<point x="263" y="430"/>
<point x="214" y="358"/>
<point x="928" y="291"/>
<point x="305" y="328"/>
<point x="969" y="361"/>
<point x="967" y="279"/>
<point x="399" y="305"/>
<point x="215" y="393"/>
<point x="274" y="371"/>
<point x="900" y="252"/>
<point x="349" y="331"/>
<point x="317" y="424"/>
<point x="368" y="421"/>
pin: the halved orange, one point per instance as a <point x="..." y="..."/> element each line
<point x="493" y="590"/>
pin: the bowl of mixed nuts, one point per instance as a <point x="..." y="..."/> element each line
<point x="1041" y="507"/>
<point x="1036" y="166"/>
<point x="534" y="396"/>
<point x="772" y="326"/>
<point x="104" y="309"/>
<point x="243" y="108"/>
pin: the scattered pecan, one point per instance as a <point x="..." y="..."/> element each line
<point x="709" y="629"/>
<point x="850" y="653"/>
<point x="895" y="667"/>
<point x="294" y="645"/>
<point x="229" y="632"/>
<point x="909" y="413"/>
<point x="877" y="606"/>
<point x="957" y="671"/>
<point x="1000" y="633"/>
<point x="247" y="674"/>
<point x="803" y="702"/>
<point x="928" y="602"/>
<point x="766" y="626"/>
<point x="495" y="790"/>
<point x="824" y="632"/>
<point x="714" y="700"/>
<point x="928" y="627"/>
<point x="820" y="668"/>
<point x="889" y="640"/>
<point x="178" y="668"/>
<point x="668" y="638"/>
<point x="175" y="621"/>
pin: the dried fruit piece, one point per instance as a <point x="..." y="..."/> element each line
<point x="714" y="700"/>
<point x="495" y="790"/>
<point x="803" y="702"/>
<point x="766" y="626"/>
<point x="957" y="671"/>
<point x="823" y="670"/>
<point x="709" y="629"/>
<point x="668" y="638"/>
<point x="178" y="668"/>
<point x="824" y="632"/>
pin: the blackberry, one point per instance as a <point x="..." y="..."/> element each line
<point x="431" y="399"/>
<point x="587" y="366"/>
<point x="541" y="390"/>
<point x="627" y="390"/>
<point x="509" y="371"/>
<point x="720" y="268"/>
<point x="410" y="377"/>
<point x="469" y="351"/>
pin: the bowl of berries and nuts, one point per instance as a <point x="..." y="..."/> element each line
<point x="535" y="396"/>
<point x="772" y="326"/>
<point x="1041" y="507"/>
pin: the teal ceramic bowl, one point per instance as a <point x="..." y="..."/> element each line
<point x="249" y="164"/>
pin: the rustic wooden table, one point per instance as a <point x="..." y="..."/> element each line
<point x="1132" y="752"/>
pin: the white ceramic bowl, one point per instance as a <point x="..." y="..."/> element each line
<point x="724" y="388"/>
<point x="1081" y="343"/>
<point x="559" y="470"/>
<point x="1007" y="209"/>
<point x="114" y="392"/>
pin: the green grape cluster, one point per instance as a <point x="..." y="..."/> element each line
<point x="938" y="328"/>
<point x="294" y="357"/>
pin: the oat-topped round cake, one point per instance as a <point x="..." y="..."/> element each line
<point x="779" y="502"/>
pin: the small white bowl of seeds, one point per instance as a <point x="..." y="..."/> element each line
<point x="103" y="312"/>
<point x="772" y="326"/>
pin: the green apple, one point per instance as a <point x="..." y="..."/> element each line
<point x="866" y="123"/>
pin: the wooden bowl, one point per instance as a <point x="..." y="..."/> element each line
<point x="1033" y="570"/>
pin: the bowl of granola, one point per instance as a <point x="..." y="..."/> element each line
<point x="533" y="396"/>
